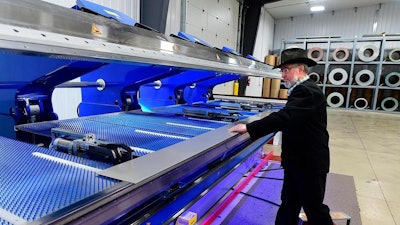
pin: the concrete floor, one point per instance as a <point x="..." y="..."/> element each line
<point x="365" y="145"/>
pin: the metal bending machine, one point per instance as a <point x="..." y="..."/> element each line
<point x="149" y="142"/>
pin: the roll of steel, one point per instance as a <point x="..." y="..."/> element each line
<point x="361" y="103"/>
<point x="394" y="55"/>
<point x="314" y="76"/>
<point x="341" y="81"/>
<point x="360" y="77"/>
<point x="368" y="53"/>
<point x="389" y="104"/>
<point x="335" y="99"/>
<point x="315" y="54"/>
<point x="392" y="76"/>
<point x="340" y="54"/>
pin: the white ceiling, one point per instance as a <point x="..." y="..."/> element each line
<point x="293" y="8"/>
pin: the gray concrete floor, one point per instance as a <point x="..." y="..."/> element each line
<point x="365" y="145"/>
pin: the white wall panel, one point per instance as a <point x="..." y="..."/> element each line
<point x="348" y="23"/>
<point x="214" y="17"/>
<point x="265" y="35"/>
<point x="254" y="87"/>
<point x="196" y="17"/>
<point x="216" y="22"/>
<point x="224" y="89"/>
<point x="66" y="100"/>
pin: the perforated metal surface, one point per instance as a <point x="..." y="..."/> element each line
<point x="150" y="131"/>
<point x="35" y="181"/>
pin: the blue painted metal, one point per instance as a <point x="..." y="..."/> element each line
<point x="226" y="49"/>
<point x="203" y="89"/>
<point x="41" y="186"/>
<point x="251" y="57"/>
<point x="170" y="90"/>
<point x="192" y="38"/>
<point x="104" y="11"/>
<point x="33" y="101"/>
<point x="122" y="85"/>
<point x="30" y="79"/>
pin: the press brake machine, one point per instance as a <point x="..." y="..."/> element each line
<point x="149" y="139"/>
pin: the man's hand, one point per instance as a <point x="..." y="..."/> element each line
<point x="239" y="128"/>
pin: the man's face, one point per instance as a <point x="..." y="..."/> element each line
<point x="290" y="74"/>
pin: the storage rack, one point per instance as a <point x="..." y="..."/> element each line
<point x="353" y="56"/>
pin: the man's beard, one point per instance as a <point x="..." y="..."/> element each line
<point x="290" y="83"/>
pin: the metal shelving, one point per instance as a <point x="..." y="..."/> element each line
<point x="360" y="68"/>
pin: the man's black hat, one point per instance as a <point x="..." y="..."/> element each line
<point x="295" y="55"/>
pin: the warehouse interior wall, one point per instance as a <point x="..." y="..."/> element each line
<point x="357" y="21"/>
<point x="216" y="22"/>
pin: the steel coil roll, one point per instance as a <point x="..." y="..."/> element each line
<point x="365" y="77"/>
<point x="389" y="104"/>
<point x="394" y="55"/>
<point x="340" y="54"/>
<point x="342" y="72"/>
<point x="361" y="103"/>
<point x="368" y="53"/>
<point x="314" y="76"/>
<point x="335" y="99"/>
<point x="315" y="54"/>
<point x="392" y="76"/>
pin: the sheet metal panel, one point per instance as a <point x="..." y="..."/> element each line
<point x="167" y="158"/>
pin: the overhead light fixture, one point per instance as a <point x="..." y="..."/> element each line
<point x="317" y="8"/>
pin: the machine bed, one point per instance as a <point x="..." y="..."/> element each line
<point x="36" y="181"/>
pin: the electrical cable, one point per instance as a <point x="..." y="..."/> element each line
<point x="261" y="199"/>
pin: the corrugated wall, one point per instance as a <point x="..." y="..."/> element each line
<point x="345" y="23"/>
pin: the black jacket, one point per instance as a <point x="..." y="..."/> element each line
<point x="303" y="123"/>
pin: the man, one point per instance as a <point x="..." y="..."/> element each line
<point x="305" y="151"/>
